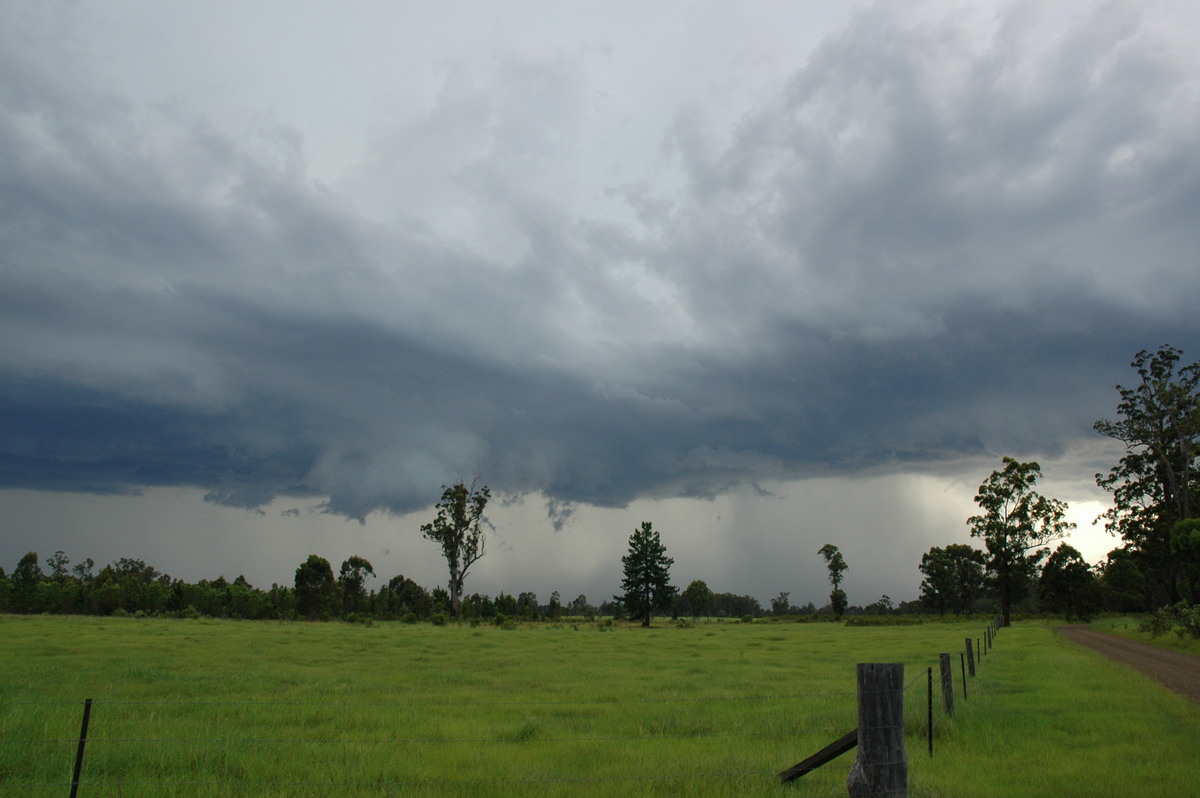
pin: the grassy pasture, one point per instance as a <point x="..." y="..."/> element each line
<point x="225" y="708"/>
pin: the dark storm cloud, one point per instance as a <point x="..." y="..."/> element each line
<point x="927" y="244"/>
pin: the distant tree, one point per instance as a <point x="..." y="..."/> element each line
<point x="883" y="606"/>
<point x="505" y="605"/>
<point x="837" y="566"/>
<point x="5" y="592"/>
<point x="779" y="604"/>
<point x="406" y="596"/>
<point x="440" y="599"/>
<point x="647" y="581"/>
<point x="728" y="605"/>
<point x="1016" y="525"/>
<point x="554" y="608"/>
<point x="1155" y="484"/>
<point x="477" y="605"/>
<point x="352" y="578"/>
<point x="1123" y="583"/>
<point x="25" y="580"/>
<point x="954" y="578"/>
<point x="1067" y="585"/>
<point x="316" y="592"/>
<point x="458" y="530"/>
<point x="1185" y="548"/>
<point x="129" y="567"/>
<point x="527" y="605"/>
<point x="698" y="598"/>
<point x="581" y="608"/>
<point x="58" y="563"/>
<point x="83" y="570"/>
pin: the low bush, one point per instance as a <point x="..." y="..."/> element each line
<point x="1183" y="619"/>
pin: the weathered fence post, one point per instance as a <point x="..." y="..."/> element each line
<point x="881" y="769"/>
<point x="83" y="729"/>
<point x="962" y="661"/>
<point x="947" y="683"/>
<point x="971" y="657"/>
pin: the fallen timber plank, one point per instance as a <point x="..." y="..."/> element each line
<point x="826" y="754"/>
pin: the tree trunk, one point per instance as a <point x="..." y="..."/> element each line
<point x="455" y="593"/>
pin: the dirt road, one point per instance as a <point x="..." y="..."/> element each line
<point x="1172" y="669"/>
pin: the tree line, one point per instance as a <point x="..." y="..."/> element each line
<point x="131" y="587"/>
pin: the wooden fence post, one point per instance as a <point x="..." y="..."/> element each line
<point x="947" y="683"/>
<point x="881" y="768"/>
<point x="971" y="657"/>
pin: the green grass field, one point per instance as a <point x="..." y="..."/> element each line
<point x="225" y="708"/>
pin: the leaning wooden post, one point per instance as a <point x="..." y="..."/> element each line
<point x="947" y="683"/>
<point x="83" y="730"/>
<point x="971" y="657"/>
<point x="881" y="769"/>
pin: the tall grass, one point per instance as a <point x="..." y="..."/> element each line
<point x="224" y="708"/>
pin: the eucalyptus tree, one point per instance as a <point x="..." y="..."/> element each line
<point x="1155" y="485"/>
<point x="698" y="597"/>
<point x="316" y="591"/>
<point x="1068" y="586"/>
<point x="458" y="529"/>
<point x="353" y="579"/>
<point x="836" y="564"/>
<point x="1016" y="524"/>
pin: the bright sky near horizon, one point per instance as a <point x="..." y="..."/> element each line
<point x="768" y="275"/>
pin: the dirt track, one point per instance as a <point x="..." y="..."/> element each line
<point x="1172" y="669"/>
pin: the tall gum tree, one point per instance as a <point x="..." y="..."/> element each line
<point x="458" y="529"/>
<point x="836" y="564"/>
<point x="1016" y="525"/>
<point x="1154" y="485"/>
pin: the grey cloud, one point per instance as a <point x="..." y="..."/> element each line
<point x="920" y="248"/>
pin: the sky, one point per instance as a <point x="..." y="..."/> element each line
<point x="768" y="275"/>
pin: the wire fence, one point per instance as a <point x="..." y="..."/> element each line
<point x="283" y="748"/>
